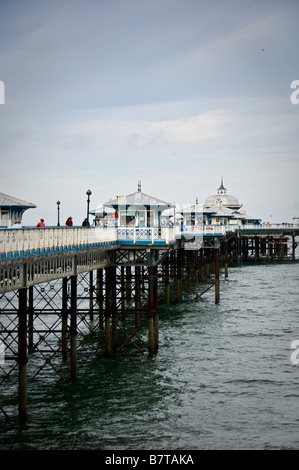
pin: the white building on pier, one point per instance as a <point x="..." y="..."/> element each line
<point x="12" y="210"/>
<point x="225" y="209"/>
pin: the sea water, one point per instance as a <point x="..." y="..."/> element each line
<point x="225" y="376"/>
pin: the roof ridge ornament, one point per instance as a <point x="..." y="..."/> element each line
<point x="139" y="185"/>
<point x="221" y="187"/>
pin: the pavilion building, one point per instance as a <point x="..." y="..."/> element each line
<point x="138" y="209"/>
<point x="225" y="209"/>
<point x="12" y="210"/>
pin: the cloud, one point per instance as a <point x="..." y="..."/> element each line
<point x="101" y="94"/>
<point x="193" y="129"/>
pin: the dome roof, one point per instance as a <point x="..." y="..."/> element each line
<point x="226" y="200"/>
<point x="222" y="197"/>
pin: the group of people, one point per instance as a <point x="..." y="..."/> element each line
<point x="68" y="223"/>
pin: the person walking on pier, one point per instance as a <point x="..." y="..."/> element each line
<point x="85" y="223"/>
<point x="69" y="222"/>
<point x="17" y="224"/>
<point x="41" y="223"/>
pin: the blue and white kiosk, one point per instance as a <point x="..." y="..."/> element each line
<point x="138" y="217"/>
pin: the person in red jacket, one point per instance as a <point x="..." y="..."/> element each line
<point x="69" y="222"/>
<point x="41" y="223"/>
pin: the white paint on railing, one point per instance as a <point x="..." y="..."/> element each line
<point x="269" y="226"/>
<point x="146" y="234"/>
<point x="18" y="240"/>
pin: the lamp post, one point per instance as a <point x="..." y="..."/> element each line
<point x="58" y="222"/>
<point x="88" y="192"/>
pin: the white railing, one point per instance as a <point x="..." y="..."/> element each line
<point x="204" y="230"/>
<point x="22" y="240"/>
<point x="56" y="238"/>
<point x="269" y="226"/>
<point x="146" y="234"/>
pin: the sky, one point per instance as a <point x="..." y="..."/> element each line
<point x="100" y="94"/>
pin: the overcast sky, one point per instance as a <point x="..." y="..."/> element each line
<point x="176" y="93"/>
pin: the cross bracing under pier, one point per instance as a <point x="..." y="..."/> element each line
<point x="102" y="297"/>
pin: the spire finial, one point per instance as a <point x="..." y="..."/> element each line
<point x="139" y="185"/>
<point x="221" y="190"/>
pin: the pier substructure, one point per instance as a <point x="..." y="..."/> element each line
<point x="195" y="271"/>
<point x="250" y="246"/>
<point x="57" y="309"/>
<point x="136" y="298"/>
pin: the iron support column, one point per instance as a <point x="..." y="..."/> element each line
<point x="293" y="247"/>
<point x="137" y="296"/>
<point x="179" y="273"/>
<point x="217" y="281"/>
<point x="22" y="354"/>
<point x="73" y="328"/>
<point x="107" y="335"/>
<point x="202" y="264"/>
<point x="166" y="280"/>
<point x="91" y="295"/>
<point x="239" y="249"/>
<point x="30" y="319"/>
<point x="152" y="333"/>
<point x="100" y="297"/>
<point x="226" y="258"/>
<point x="64" y="318"/>
<point x="113" y="307"/>
<point x="257" y="248"/>
<point x="108" y="311"/>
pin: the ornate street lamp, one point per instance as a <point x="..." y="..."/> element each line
<point x="58" y="222"/>
<point x="88" y="192"/>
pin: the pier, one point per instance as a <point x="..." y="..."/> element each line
<point x="66" y="292"/>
